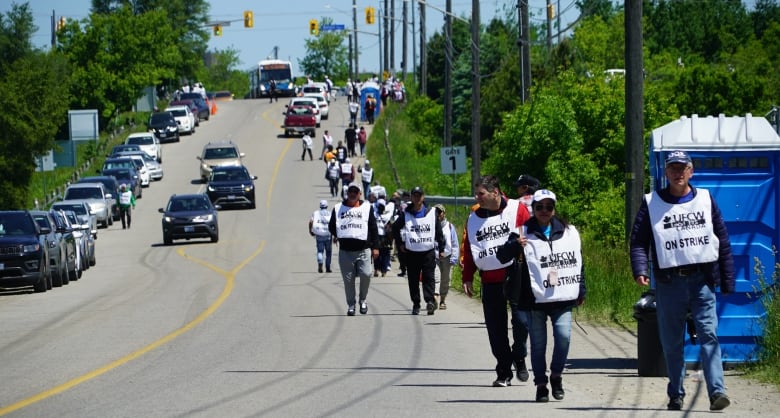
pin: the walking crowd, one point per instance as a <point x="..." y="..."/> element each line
<point x="528" y="259"/>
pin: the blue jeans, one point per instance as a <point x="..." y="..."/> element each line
<point x="536" y="321"/>
<point x="673" y="301"/>
<point x="324" y="251"/>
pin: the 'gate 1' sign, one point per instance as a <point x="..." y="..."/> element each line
<point x="453" y="160"/>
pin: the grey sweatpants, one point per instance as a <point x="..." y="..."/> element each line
<point x="355" y="263"/>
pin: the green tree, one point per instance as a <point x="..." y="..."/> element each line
<point x="326" y="54"/>
<point x="220" y="73"/>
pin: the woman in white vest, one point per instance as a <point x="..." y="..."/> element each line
<point x="318" y="228"/>
<point x="547" y="282"/>
<point x="450" y="256"/>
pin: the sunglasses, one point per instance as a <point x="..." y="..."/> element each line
<point x="548" y="208"/>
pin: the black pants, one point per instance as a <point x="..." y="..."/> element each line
<point x="124" y="212"/>
<point x="334" y="187"/>
<point x="303" y="154"/>
<point x="494" y="306"/>
<point x="417" y="263"/>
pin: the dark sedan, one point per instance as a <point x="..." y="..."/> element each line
<point x="189" y="216"/>
<point x="230" y="185"/>
<point x="128" y="176"/>
<point x="164" y="126"/>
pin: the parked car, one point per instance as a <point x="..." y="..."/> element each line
<point x="24" y="261"/>
<point x="123" y="148"/>
<point x="307" y="101"/>
<point x="111" y="185"/>
<point x="231" y="185"/>
<point x="85" y="242"/>
<point x="117" y="162"/>
<point x="141" y="169"/>
<point x="196" y="111"/>
<point x="324" y="107"/>
<point x="215" y="154"/>
<point x="80" y="208"/>
<point x="184" y="118"/>
<point x="164" y="126"/>
<point x="189" y="216"/>
<point x="67" y="234"/>
<point x="204" y="109"/>
<point x="148" y="143"/>
<point x="301" y="120"/>
<point x="128" y="176"/>
<point x="95" y="195"/>
<point x="154" y="168"/>
<point x="58" y="251"/>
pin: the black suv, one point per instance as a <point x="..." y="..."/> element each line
<point x="164" y="126"/>
<point x="230" y="185"/>
<point x="24" y="256"/>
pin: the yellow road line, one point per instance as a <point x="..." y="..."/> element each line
<point x="229" y="276"/>
<point x="275" y="172"/>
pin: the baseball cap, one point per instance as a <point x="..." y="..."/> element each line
<point x="440" y="207"/>
<point x="540" y="195"/>
<point x="381" y="202"/>
<point x="417" y="189"/>
<point x="354" y="186"/>
<point x="368" y="162"/>
<point x="323" y="204"/>
<point x="527" y="180"/>
<point x="678" y="156"/>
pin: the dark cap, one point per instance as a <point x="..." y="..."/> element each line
<point x="527" y="180"/>
<point x="354" y="186"/>
<point x="678" y="156"/>
<point x="417" y="189"/>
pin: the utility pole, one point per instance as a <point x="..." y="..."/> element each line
<point x="423" y="53"/>
<point x="404" y="38"/>
<point x="350" y="56"/>
<point x="526" y="51"/>
<point x="414" y="48"/>
<point x="386" y="41"/>
<point x="392" y="35"/>
<point x="549" y="26"/>
<point x="354" y="31"/>
<point x="635" y="162"/>
<point x="448" y="74"/>
<point x="476" y="143"/>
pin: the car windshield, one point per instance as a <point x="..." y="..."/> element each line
<point x="219" y="153"/>
<point x="42" y="220"/>
<point x="73" y="193"/>
<point x="188" y="204"/>
<point x="141" y="140"/>
<point x="78" y="209"/>
<point x="118" y="164"/>
<point x="178" y="112"/>
<point x="122" y="174"/>
<point x="301" y="110"/>
<point x="160" y="117"/>
<point x="16" y="224"/>
<point x="229" y="175"/>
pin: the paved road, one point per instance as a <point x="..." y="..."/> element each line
<point x="246" y="327"/>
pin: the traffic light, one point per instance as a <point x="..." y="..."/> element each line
<point x="249" y="19"/>
<point x="61" y="23"/>
<point x="370" y="15"/>
<point x="217" y="30"/>
<point x="314" y="27"/>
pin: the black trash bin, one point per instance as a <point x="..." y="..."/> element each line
<point x="650" y="354"/>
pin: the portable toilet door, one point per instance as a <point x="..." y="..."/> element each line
<point x="369" y="88"/>
<point x="737" y="160"/>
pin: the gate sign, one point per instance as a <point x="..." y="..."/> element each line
<point x="453" y="160"/>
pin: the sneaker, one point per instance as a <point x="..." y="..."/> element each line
<point x="442" y="306"/>
<point x="319" y="269"/>
<point x="719" y="401"/>
<point x="502" y="382"/>
<point x="542" y="394"/>
<point x="676" y="404"/>
<point x="556" y="383"/>
<point x="415" y="310"/>
<point x="328" y="270"/>
<point x="402" y="274"/>
<point x="351" y="310"/>
<point x="430" y="307"/>
<point x="522" y="371"/>
<point x="376" y="273"/>
<point x="363" y="307"/>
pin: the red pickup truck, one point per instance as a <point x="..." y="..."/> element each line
<point x="300" y="120"/>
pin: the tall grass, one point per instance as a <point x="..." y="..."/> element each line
<point x="768" y="368"/>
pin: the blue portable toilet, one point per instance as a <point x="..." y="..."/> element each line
<point x="737" y="159"/>
<point x="366" y="89"/>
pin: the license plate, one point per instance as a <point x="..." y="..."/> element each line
<point x="189" y="229"/>
<point x="231" y="197"/>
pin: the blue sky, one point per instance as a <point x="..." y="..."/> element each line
<point x="285" y="23"/>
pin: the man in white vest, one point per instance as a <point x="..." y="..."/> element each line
<point x="126" y="203"/>
<point x="318" y="228"/>
<point x="353" y="226"/>
<point x="367" y="176"/>
<point x="417" y="233"/>
<point x="681" y="229"/>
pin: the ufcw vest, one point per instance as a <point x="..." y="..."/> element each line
<point x="683" y="232"/>
<point x="125" y="198"/>
<point x="555" y="267"/>
<point x="352" y="222"/>
<point x="420" y="232"/>
<point x="319" y="226"/>
<point x="486" y="235"/>
<point x="367" y="175"/>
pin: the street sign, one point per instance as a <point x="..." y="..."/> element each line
<point x="453" y="160"/>
<point x="327" y="28"/>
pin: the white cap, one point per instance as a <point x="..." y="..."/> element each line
<point x="323" y="204"/>
<point x="542" y="194"/>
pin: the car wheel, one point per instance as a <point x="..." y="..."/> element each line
<point x="42" y="285"/>
<point x="57" y="277"/>
<point x="73" y="275"/>
<point x="93" y="260"/>
<point x="252" y="205"/>
<point x="167" y="240"/>
<point x="215" y="238"/>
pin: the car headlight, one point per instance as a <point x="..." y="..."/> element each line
<point x="262" y="88"/>
<point x="168" y="219"/>
<point x="203" y="218"/>
<point x="31" y="248"/>
<point x="249" y="187"/>
<point x="172" y="128"/>
<point x="211" y="188"/>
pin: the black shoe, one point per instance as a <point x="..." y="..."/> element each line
<point x="556" y="383"/>
<point x="363" y="308"/>
<point x="719" y="401"/>
<point x="319" y="268"/>
<point x="676" y="404"/>
<point x="351" y="310"/>
<point x="415" y="310"/>
<point x="522" y="371"/>
<point x="542" y="394"/>
<point x="402" y="273"/>
<point x="502" y="382"/>
<point x="430" y="307"/>
<point x="327" y="270"/>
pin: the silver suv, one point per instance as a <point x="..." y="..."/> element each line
<point x="95" y="195"/>
<point x="223" y="153"/>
